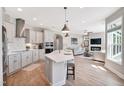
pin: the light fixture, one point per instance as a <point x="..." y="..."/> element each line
<point x="19" y="9"/>
<point x="34" y="18"/>
<point x="65" y="29"/>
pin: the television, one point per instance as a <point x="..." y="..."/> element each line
<point x="95" y="41"/>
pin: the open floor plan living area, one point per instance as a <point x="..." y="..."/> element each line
<point x="62" y="46"/>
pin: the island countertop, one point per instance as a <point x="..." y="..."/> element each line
<point x="60" y="57"/>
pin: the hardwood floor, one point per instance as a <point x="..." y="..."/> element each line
<point x="34" y="77"/>
<point x="93" y="73"/>
<point x="88" y="73"/>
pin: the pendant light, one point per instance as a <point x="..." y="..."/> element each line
<point x="65" y="29"/>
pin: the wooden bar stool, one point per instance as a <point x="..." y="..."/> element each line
<point x="71" y="68"/>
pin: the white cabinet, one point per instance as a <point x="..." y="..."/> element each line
<point x="35" y="55"/>
<point x="26" y="58"/>
<point x="39" y="37"/>
<point x="48" y="36"/>
<point x="10" y="28"/>
<point x="14" y="62"/>
<point x="29" y="57"/>
<point x="41" y="54"/>
<point x="32" y="36"/>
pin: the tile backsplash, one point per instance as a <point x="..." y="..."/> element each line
<point x="17" y="45"/>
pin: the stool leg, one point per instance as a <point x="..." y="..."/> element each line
<point x="67" y="73"/>
<point x="74" y="73"/>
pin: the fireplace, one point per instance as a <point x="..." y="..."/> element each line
<point x="95" y="48"/>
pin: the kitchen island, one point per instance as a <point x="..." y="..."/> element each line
<point x="56" y="66"/>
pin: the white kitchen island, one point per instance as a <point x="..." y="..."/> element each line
<point x="56" y="67"/>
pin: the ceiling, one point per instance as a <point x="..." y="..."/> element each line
<point x="80" y="19"/>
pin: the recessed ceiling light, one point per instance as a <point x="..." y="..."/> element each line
<point x="41" y="24"/>
<point x="34" y="18"/>
<point x="19" y="9"/>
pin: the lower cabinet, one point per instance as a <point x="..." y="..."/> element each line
<point x="26" y="58"/>
<point x="14" y="62"/>
<point x="22" y="59"/>
<point x="42" y="54"/>
<point x="35" y="55"/>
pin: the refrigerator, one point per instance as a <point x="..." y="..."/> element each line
<point x="4" y="50"/>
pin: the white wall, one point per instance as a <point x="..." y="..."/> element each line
<point x="1" y="75"/>
<point x="114" y="67"/>
<point x="67" y="41"/>
<point x="99" y="35"/>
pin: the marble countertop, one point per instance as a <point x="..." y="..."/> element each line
<point x="60" y="57"/>
<point x="19" y="51"/>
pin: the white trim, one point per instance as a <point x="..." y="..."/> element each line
<point x="58" y="83"/>
<point x="115" y="71"/>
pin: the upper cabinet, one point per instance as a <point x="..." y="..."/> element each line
<point x="10" y="28"/>
<point x="48" y="36"/>
<point x="39" y="37"/>
<point x="33" y="36"/>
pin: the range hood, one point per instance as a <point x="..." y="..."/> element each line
<point x="20" y="23"/>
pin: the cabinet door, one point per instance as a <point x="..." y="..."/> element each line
<point x="29" y="57"/>
<point x="17" y="62"/>
<point x="10" y="28"/>
<point x="39" y="37"/>
<point x="42" y="54"/>
<point x="32" y="36"/>
<point x="24" y="59"/>
<point x="11" y="65"/>
<point x="48" y="36"/>
<point x="35" y="55"/>
<point x="14" y="62"/>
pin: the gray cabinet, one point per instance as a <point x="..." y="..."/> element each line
<point x="14" y="62"/>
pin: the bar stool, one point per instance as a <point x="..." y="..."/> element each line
<point x="71" y="68"/>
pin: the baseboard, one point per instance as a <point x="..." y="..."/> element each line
<point x="115" y="71"/>
<point x="58" y="83"/>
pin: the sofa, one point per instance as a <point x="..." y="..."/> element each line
<point x="78" y="50"/>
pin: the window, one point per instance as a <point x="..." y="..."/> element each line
<point x="114" y="43"/>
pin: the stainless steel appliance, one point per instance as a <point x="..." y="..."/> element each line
<point x="49" y="47"/>
<point x="4" y="48"/>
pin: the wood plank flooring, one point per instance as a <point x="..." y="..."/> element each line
<point x="88" y="73"/>
<point x="35" y="77"/>
<point x="93" y="73"/>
